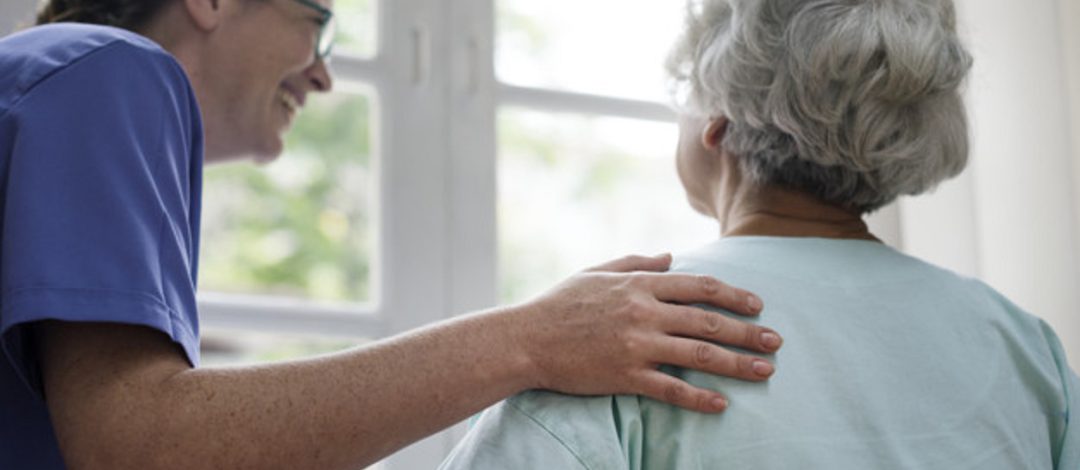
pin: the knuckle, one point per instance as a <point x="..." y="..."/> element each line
<point x="703" y="354"/>
<point x="636" y="316"/>
<point x="709" y="285"/>
<point x="733" y="297"/>
<point x="636" y="310"/>
<point x="751" y="336"/>
<point x="629" y="342"/>
<point x="674" y="393"/>
<point x="620" y="287"/>
<point x="745" y="365"/>
<point x="636" y="281"/>
<point x="714" y="324"/>
<point x="702" y="401"/>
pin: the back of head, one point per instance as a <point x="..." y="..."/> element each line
<point x="854" y="101"/>
<point x="126" y="14"/>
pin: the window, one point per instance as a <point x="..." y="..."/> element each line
<point x="468" y="153"/>
<point x="303" y="226"/>
<point x="475" y="151"/>
<point x="586" y="166"/>
<point x="292" y="248"/>
<point x="557" y="45"/>
<point x="578" y="189"/>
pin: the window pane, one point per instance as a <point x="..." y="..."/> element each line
<point x="357" y="27"/>
<point x="607" y="47"/>
<point x="227" y="347"/>
<point x="576" y="190"/>
<point x="301" y="226"/>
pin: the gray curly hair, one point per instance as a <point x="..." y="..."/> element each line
<point x="854" y="101"/>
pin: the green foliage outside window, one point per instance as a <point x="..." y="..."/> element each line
<point x="356" y="27"/>
<point x="300" y="226"/>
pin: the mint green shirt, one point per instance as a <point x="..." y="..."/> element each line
<point x="888" y="363"/>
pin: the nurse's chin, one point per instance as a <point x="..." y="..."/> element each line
<point x="268" y="156"/>
<point x="268" y="148"/>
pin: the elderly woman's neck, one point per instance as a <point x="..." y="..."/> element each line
<point x="779" y="212"/>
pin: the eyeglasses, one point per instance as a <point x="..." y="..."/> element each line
<point x="327" y="28"/>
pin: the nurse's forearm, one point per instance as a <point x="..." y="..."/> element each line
<point x="351" y="409"/>
<point x="124" y="397"/>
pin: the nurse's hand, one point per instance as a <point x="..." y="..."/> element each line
<point x="606" y="330"/>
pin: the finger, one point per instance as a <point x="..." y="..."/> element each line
<point x="663" y="387"/>
<point x="659" y="263"/>
<point x="701" y="324"/>
<point x="713" y="359"/>
<point x="695" y="288"/>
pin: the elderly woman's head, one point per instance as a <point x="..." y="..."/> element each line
<point x="852" y="101"/>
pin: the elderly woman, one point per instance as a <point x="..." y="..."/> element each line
<point x="799" y="117"/>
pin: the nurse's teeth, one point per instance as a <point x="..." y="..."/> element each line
<point x="290" y="101"/>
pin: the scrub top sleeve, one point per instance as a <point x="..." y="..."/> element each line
<point x="100" y="220"/>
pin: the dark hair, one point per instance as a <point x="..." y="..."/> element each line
<point x="126" y="14"/>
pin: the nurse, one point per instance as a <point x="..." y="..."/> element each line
<point x="103" y="134"/>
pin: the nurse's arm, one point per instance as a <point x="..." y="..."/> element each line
<point x="125" y="396"/>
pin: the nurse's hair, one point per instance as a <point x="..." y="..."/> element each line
<point x="853" y="101"/>
<point x="126" y="14"/>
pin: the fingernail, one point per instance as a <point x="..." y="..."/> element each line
<point x="771" y="340"/>
<point x="719" y="403"/>
<point x="754" y="303"/>
<point x="763" y="368"/>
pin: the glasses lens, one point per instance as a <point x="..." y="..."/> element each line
<point x="326" y="38"/>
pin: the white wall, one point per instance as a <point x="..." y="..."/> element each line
<point x="14" y="13"/>
<point x="1070" y="27"/>
<point x="1012" y="218"/>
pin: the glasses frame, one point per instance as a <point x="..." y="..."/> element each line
<point x="324" y="44"/>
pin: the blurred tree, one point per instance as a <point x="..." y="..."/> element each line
<point x="300" y="226"/>
<point x="576" y="189"/>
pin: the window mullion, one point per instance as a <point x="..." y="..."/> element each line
<point x="471" y="174"/>
<point x="412" y="168"/>
<point x="415" y="189"/>
<point x="458" y="93"/>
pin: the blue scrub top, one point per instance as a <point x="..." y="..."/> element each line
<point x="100" y="185"/>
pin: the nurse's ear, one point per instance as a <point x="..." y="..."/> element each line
<point x="205" y="14"/>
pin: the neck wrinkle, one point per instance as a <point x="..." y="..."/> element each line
<point x="746" y="210"/>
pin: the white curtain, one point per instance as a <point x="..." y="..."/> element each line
<point x="15" y="13"/>
<point x="1013" y="218"/>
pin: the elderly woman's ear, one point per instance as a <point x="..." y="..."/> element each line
<point x="713" y="134"/>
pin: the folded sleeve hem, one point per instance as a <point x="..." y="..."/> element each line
<point x="27" y="305"/>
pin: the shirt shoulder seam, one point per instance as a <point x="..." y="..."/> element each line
<point x="116" y="42"/>
<point x="550" y="432"/>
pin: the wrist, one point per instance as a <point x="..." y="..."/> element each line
<point x="518" y="353"/>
